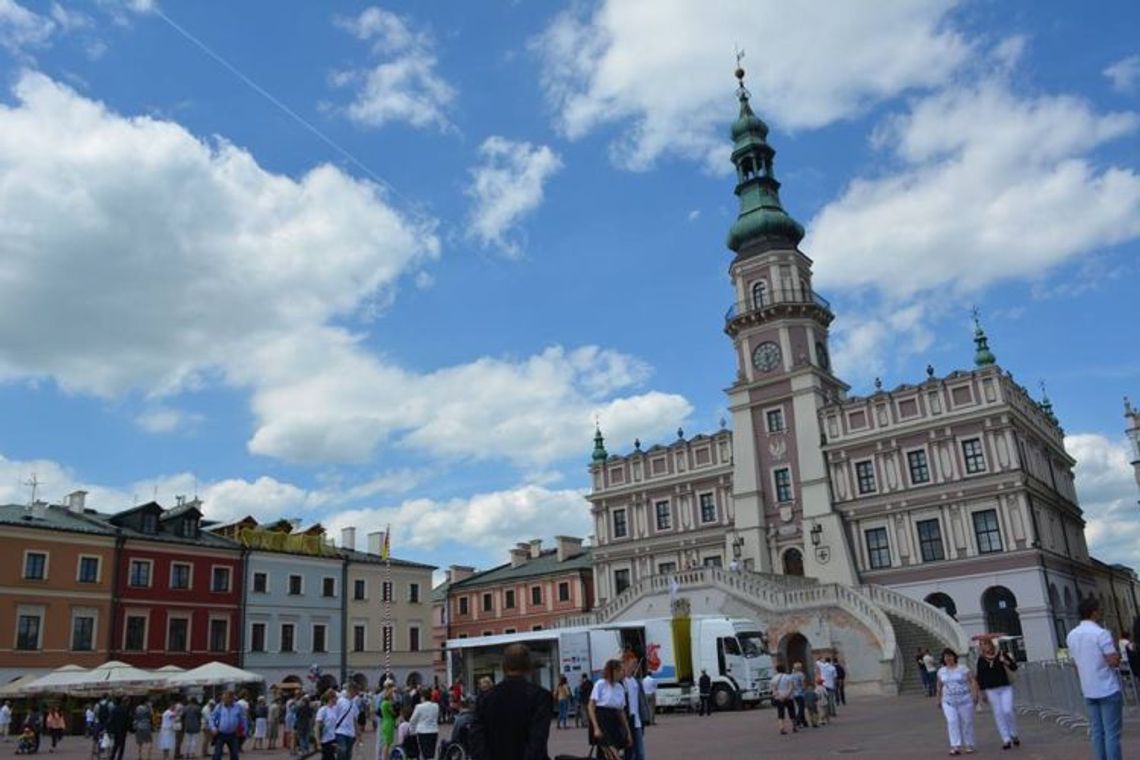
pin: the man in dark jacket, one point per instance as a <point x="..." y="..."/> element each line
<point x="512" y="720"/>
<point x="118" y="724"/>
<point x="704" y="689"/>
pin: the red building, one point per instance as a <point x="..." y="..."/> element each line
<point x="177" y="589"/>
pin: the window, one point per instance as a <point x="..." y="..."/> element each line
<point x="188" y="527"/>
<point x="621" y="580"/>
<point x="260" y="583"/>
<point x="257" y="637"/>
<point x="83" y="633"/>
<point x="878" y="551"/>
<point x="413" y="639"/>
<point x="219" y="635"/>
<point x="664" y="515"/>
<point x="536" y="627"/>
<point x="134" y="636"/>
<point x="987" y="530"/>
<point x="288" y="637"/>
<point x="536" y="594"/>
<point x="708" y="508"/>
<point x="386" y="591"/>
<point x="358" y="589"/>
<point x="88" y="570"/>
<point x="295" y="586"/>
<point x="414" y="593"/>
<point x="35" y="566"/>
<point x="177" y="635"/>
<point x="462" y="605"/>
<point x="865" y="476"/>
<point x="328" y="587"/>
<point x="488" y="603"/>
<point x="712" y="561"/>
<point x="389" y="643"/>
<point x="509" y="599"/>
<point x="783" y="479"/>
<point x="28" y="632"/>
<point x="620" y="527"/>
<point x="319" y="635"/>
<point x="139" y="575"/>
<point x="510" y="630"/>
<point x="358" y="638"/>
<point x="150" y="523"/>
<point x="930" y="540"/>
<point x="919" y="469"/>
<point x="972" y="453"/>
<point x="564" y="591"/>
<point x="179" y="575"/>
<point x="220" y="580"/>
<point x="665" y="568"/>
<point x="775" y="420"/>
<point x="759" y="291"/>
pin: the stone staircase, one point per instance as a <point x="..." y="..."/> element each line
<point x="910" y="637"/>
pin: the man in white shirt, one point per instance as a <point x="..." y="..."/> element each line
<point x="1094" y="653"/>
<point x="649" y="686"/>
<point x="345" y="722"/>
<point x="824" y="668"/>
<point x="931" y="667"/>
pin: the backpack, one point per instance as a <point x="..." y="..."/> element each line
<point x="103" y="713"/>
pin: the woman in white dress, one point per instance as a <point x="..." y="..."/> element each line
<point x="166" y="731"/>
<point x="957" y="696"/>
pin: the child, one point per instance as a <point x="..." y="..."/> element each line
<point x="27" y="743"/>
<point x="811" y="707"/>
<point x="821" y="698"/>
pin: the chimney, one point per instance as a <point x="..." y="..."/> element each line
<point x="519" y="555"/>
<point x="568" y="547"/>
<point x="535" y="548"/>
<point x="376" y="542"/>
<point x="76" y="501"/>
<point x="348" y="538"/>
<point x="457" y="573"/>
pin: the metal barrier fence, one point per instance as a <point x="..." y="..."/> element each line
<point x="1052" y="689"/>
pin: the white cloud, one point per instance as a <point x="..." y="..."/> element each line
<point x="694" y="215"/>
<point x="663" y="67"/>
<point x="164" y="419"/>
<point x="404" y="86"/>
<point x="1107" y="490"/>
<point x="506" y="186"/>
<point x="20" y="28"/>
<point x="873" y="345"/>
<point x="165" y="259"/>
<point x="1124" y="75"/>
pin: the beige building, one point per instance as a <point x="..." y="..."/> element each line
<point x="388" y="608"/>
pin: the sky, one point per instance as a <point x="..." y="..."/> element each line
<point x="387" y="264"/>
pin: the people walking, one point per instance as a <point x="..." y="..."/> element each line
<point x="994" y="670"/>
<point x="1094" y="653"/>
<point x="931" y="666"/>
<point x="585" y="686"/>
<point x="56" y="725"/>
<point x="840" y="682"/>
<point x="798" y="682"/>
<point x="425" y="724"/>
<point x="118" y="726"/>
<point x="562" y="696"/>
<point x="326" y="726"/>
<point x="5" y="720"/>
<point x="144" y="727"/>
<point x="260" y="723"/>
<point x="228" y="723"/>
<point x="166" y="731"/>
<point x="512" y="720"/>
<point x="782" y="699"/>
<point x="811" y="705"/>
<point x="825" y="669"/>
<point x="192" y="729"/>
<point x="649" y="685"/>
<point x="957" y="693"/>
<point x="345" y="728"/>
<point x="303" y="732"/>
<point x="922" y="677"/>
<point x="606" y="708"/>
<point x="386" y="731"/>
<point x="637" y="707"/>
<point x="704" y="693"/>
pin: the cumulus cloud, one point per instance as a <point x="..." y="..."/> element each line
<point x="165" y="419"/>
<point x="662" y="68"/>
<point x="403" y="85"/>
<point x="1124" y="75"/>
<point x="506" y="186"/>
<point x="1107" y="489"/>
<point x="21" y="29"/>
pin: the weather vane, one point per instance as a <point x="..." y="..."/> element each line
<point x="739" y="66"/>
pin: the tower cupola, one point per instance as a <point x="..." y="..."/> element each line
<point x="983" y="357"/>
<point x="599" y="445"/>
<point x="763" y="223"/>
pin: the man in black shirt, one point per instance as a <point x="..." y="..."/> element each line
<point x="704" y="688"/>
<point x="512" y="720"/>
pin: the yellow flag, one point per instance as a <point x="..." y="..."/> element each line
<point x="387" y="542"/>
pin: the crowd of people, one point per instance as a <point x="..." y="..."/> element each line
<point x="803" y="702"/>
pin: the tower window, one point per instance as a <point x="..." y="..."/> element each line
<point x="759" y="294"/>
<point x="865" y="474"/>
<point x="878" y="548"/>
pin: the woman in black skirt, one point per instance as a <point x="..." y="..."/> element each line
<point x="608" y="724"/>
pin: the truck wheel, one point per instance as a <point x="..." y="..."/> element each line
<point x="723" y="698"/>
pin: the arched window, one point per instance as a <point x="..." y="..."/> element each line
<point x="943" y="602"/>
<point x="759" y="294"/>
<point x="793" y="562"/>
<point x="1000" y="608"/>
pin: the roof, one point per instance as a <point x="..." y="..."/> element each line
<point x="545" y="564"/>
<point x="352" y="555"/>
<point x="439" y="593"/>
<point x="51" y="517"/>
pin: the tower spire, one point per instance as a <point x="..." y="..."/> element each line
<point x="983" y="357"/>
<point x="763" y="223"/>
<point x="599" y="444"/>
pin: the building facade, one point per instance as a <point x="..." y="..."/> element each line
<point x="56" y="570"/>
<point x="530" y="593"/>
<point x="956" y="490"/>
<point x="177" y="589"/>
<point x="389" y="606"/>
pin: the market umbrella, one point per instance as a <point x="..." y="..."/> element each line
<point x="213" y="674"/>
<point x="170" y="669"/>
<point x="115" y="675"/>
<point x="15" y="687"/>
<point x="59" y="680"/>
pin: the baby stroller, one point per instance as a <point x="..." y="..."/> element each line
<point x="26" y="744"/>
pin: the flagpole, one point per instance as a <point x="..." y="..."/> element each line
<point x="387" y="640"/>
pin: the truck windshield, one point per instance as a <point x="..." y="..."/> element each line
<point x="753" y="643"/>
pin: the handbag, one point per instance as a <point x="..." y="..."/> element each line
<point x="105" y="741"/>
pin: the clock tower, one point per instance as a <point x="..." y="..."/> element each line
<point x="784" y="520"/>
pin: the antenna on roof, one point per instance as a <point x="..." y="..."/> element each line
<point x="34" y="483"/>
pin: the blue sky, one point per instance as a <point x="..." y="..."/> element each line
<point x="376" y="264"/>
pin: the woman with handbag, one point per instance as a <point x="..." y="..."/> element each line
<point x="783" y="700"/>
<point x="995" y="681"/>
<point x="608" y="722"/>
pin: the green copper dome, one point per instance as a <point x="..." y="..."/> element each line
<point x="599" y="445"/>
<point x="762" y="218"/>
<point x="983" y="356"/>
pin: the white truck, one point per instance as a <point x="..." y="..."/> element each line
<point x="675" y="650"/>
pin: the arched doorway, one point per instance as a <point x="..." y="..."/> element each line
<point x="943" y="602"/>
<point x="1000" y="608"/>
<point x="795" y="648"/>
<point x="793" y="562"/>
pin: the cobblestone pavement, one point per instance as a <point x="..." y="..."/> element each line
<point x="874" y="728"/>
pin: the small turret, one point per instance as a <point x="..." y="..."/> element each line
<point x="983" y="357"/>
<point x="599" y="445"/>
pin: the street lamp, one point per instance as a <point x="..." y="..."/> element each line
<point x="816" y="534"/>
<point x="737" y="545"/>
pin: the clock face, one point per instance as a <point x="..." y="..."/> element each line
<point x="766" y="357"/>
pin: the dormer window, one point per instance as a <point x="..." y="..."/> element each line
<point x="149" y="522"/>
<point x="189" y="527"/>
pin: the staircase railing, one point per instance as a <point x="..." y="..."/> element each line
<point x="926" y="615"/>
